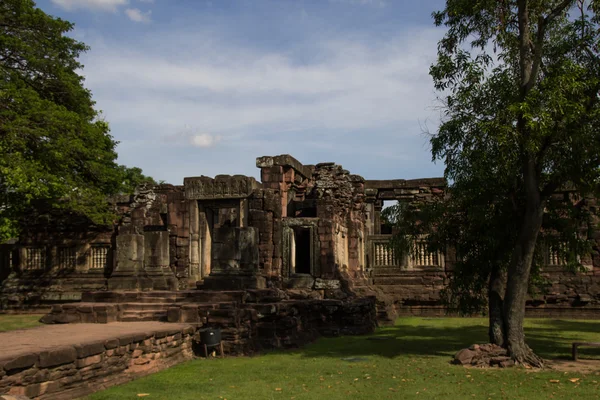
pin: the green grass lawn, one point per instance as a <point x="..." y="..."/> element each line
<point x="412" y="362"/>
<point x="10" y="322"/>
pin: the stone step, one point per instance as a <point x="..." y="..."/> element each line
<point x="137" y="318"/>
<point x="408" y="280"/>
<point x="129" y="307"/>
<point x="150" y="315"/>
<point x="386" y="271"/>
<point x="156" y="300"/>
<point x="196" y="296"/>
<point x="209" y="296"/>
<point x="130" y="296"/>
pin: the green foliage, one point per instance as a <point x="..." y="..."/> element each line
<point x="53" y="148"/>
<point x="521" y="120"/>
<point x="133" y="177"/>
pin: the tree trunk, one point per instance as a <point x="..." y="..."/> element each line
<point x="496" y="289"/>
<point x="519" y="269"/>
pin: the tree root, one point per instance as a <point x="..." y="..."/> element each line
<point x="527" y="358"/>
<point x="491" y="355"/>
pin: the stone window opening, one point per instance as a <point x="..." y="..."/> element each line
<point x="557" y="254"/>
<point x="67" y="258"/>
<point x="422" y="257"/>
<point x="388" y="216"/>
<point x="6" y="262"/>
<point x="99" y="257"/>
<point x="225" y="217"/>
<point x="301" y="250"/>
<point x="306" y="208"/>
<point x="35" y="258"/>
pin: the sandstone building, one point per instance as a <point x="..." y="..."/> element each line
<point x="302" y="228"/>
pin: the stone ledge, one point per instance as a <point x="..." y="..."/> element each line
<point x="76" y="370"/>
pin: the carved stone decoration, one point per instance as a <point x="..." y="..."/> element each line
<point x="221" y="187"/>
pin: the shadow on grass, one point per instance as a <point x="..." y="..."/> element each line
<point x="572" y="325"/>
<point x="400" y="341"/>
<point x="551" y="342"/>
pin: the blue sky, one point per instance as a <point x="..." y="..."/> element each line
<point x="194" y="87"/>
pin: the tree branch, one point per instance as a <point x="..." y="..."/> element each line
<point x="556" y="12"/>
<point x="541" y="31"/>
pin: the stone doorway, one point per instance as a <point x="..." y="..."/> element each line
<point x="301" y="250"/>
<point x="215" y="217"/>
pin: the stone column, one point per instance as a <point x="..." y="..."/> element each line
<point x="156" y="260"/>
<point x="194" y="243"/>
<point x="129" y="269"/>
<point x="377" y="207"/>
<point x="243" y="213"/>
<point x="205" y="243"/>
<point x="22" y="260"/>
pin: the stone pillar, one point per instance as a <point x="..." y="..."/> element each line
<point x="83" y="262"/>
<point x="129" y="271"/>
<point x="205" y="242"/>
<point x="194" y="243"/>
<point x="377" y="207"/>
<point x="156" y="260"/>
<point x="243" y="213"/>
<point x="22" y="259"/>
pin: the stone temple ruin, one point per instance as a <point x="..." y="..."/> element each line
<point x="272" y="264"/>
<point x="303" y="233"/>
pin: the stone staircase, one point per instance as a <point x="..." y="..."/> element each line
<point x="249" y="319"/>
<point x="130" y="306"/>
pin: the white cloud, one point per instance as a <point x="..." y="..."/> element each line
<point x="192" y="136"/>
<point x="362" y="102"/>
<point x="357" y="86"/>
<point x="377" y="3"/>
<point x="204" y="140"/>
<point x="136" y="15"/>
<point x="101" y="5"/>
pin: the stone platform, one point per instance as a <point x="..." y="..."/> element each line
<point x="250" y="320"/>
<point x="70" y="361"/>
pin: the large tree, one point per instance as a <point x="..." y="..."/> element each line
<point x="519" y="83"/>
<point x="54" y="149"/>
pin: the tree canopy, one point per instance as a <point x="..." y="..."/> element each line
<point x="519" y="84"/>
<point x="54" y="148"/>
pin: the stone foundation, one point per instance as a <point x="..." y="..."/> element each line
<point x="250" y="320"/>
<point x="566" y="295"/>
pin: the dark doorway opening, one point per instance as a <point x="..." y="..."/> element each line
<point x="303" y="250"/>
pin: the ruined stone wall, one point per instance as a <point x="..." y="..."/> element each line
<point x="178" y="225"/>
<point x="415" y="289"/>
<point x="265" y="213"/>
<point x="284" y="180"/>
<point x="75" y="371"/>
<point x="567" y="295"/>
<point x="341" y="210"/>
<point x="58" y="256"/>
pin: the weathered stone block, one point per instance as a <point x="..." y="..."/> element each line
<point x="55" y="357"/>
<point x="327" y="284"/>
<point x="20" y="362"/>
<point x="89" y="349"/>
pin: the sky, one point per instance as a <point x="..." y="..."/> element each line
<point x="194" y="87"/>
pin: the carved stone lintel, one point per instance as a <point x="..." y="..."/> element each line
<point x="221" y="187"/>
